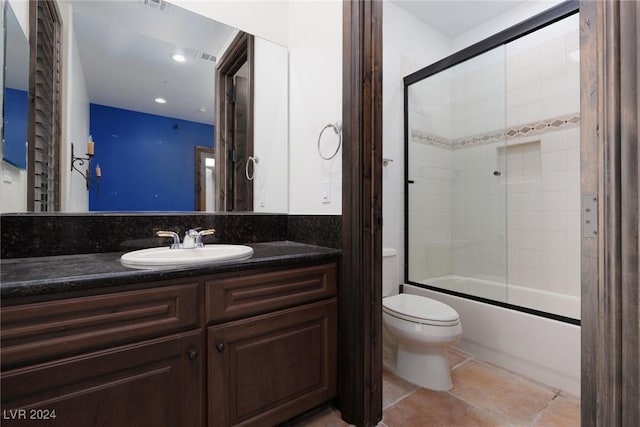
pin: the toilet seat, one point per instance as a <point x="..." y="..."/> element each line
<point x="419" y="309"/>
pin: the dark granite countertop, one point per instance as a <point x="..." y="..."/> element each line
<point x="28" y="277"/>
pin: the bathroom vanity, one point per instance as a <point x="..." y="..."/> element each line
<point x="91" y="342"/>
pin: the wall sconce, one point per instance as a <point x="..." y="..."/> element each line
<point x="87" y="160"/>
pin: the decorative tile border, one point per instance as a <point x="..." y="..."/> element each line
<point x="529" y="129"/>
<point x="430" y="139"/>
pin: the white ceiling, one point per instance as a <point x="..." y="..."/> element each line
<point x="125" y="48"/>
<point x="453" y="18"/>
<point x="16" y="54"/>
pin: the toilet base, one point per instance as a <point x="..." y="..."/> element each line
<point x="426" y="367"/>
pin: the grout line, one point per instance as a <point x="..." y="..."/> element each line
<point x="491" y="415"/>
<point x="495" y="416"/>
<point x="461" y="363"/>
<point x="556" y="392"/>
<point x="398" y="400"/>
<point x="537" y="417"/>
<point x="519" y="376"/>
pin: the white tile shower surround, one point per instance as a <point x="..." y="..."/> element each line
<point x="462" y="214"/>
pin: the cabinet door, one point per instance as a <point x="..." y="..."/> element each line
<point x="153" y="383"/>
<point x="267" y="369"/>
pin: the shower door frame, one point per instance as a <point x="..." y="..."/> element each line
<point x="541" y="20"/>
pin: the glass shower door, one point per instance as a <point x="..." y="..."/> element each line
<point x="456" y="187"/>
<point x="493" y="173"/>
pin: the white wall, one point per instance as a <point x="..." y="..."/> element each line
<point x="271" y="127"/>
<point x="514" y="16"/>
<point x="13" y="188"/>
<point x="75" y="118"/>
<point x="315" y="99"/>
<point x="21" y="10"/>
<point x="266" y="19"/>
<point x="408" y="45"/>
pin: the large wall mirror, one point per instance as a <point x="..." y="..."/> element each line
<point x="146" y="115"/>
<point x="14" y="137"/>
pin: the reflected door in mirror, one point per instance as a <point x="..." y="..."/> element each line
<point x="242" y="148"/>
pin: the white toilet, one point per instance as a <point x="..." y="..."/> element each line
<point x="421" y="328"/>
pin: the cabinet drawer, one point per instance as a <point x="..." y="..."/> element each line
<point x="37" y="332"/>
<point x="242" y="296"/>
<point x="266" y="369"/>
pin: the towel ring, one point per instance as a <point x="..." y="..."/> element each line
<point x="253" y="160"/>
<point x="337" y="129"/>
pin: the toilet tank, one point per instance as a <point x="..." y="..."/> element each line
<point x="389" y="272"/>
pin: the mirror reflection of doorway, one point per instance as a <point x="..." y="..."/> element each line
<point x="242" y="147"/>
<point x="205" y="179"/>
<point x="234" y="125"/>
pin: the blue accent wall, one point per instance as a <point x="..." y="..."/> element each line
<point x="147" y="161"/>
<point x="15" y="127"/>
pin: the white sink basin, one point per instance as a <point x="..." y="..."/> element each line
<point x="166" y="257"/>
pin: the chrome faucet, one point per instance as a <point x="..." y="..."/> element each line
<point x="192" y="238"/>
<point x="201" y="234"/>
<point x="176" y="239"/>
<point x="189" y="241"/>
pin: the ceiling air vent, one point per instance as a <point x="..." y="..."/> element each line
<point x="160" y="5"/>
<point x="206" y="56"/>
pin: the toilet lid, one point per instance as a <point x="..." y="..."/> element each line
<point x="420" y="309"/>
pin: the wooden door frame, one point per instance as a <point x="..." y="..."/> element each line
<point x="240" y="50"/>
<point x="201" y="198"/>
<point x="360" y="290"/>
<point x="609" y="156"/>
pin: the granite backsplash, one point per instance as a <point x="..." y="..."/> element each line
<point x="28" y="235"/>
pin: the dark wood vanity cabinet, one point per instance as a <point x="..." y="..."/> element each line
<point x="245" y="348"/>
<point x="266" y="369"/>
<point x="132" y="358"/>
<point x="153" y="383"/>
<point x="271" y="344"/>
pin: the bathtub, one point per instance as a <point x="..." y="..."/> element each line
<point x="537" y="299"/>
<point x="539" y="348"/>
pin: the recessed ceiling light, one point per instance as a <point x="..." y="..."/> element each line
<point x="202" y="109"/>
<point x="178" y="57"/>
<point x="160" y="100"/>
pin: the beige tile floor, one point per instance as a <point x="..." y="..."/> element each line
<point x="482" y="395"/>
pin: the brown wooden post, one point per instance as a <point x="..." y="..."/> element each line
<point x="609" y="138"/>
<point x="360" y="291"/>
